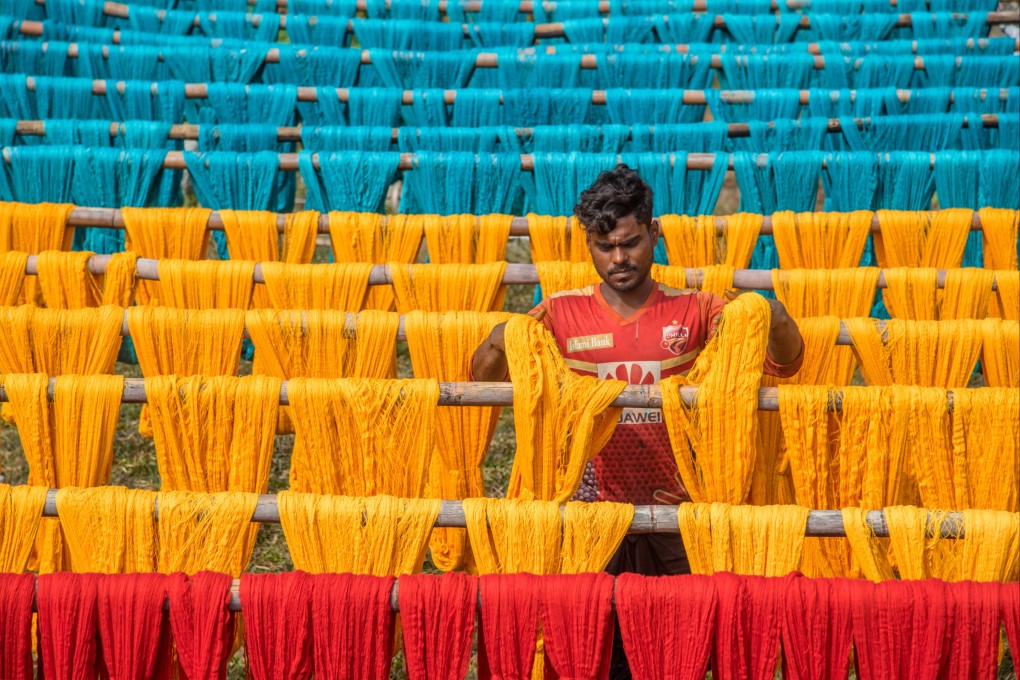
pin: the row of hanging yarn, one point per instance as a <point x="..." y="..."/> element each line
<point x="515" y="68"/>
<point x="359" y="181"/>
<point x="920" y="132"/>
<point x="112" y="530"/>
<point x="90" y="20"/>
<point x="734" y="626"/>
<point x="170" y="101"/>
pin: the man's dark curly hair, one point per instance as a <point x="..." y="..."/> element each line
<point x="616" y="193"/>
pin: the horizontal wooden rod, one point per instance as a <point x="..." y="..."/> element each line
<point x="288" y="162"/>
<point x="598" y="97"/>
<point x="501" y="394"/>
<point x="292" y="133"/>
<point x="820" y="524"/>
<point x="648" y="519"/>
<point x="514" y="275"/>
<point x="491" y="59"/>
<point x="475" y="6"/>
<point x="36" y="29"/>
<point x="547" y="30"/>
<point x="112" y="218"/>
<point x="843" y="339"/>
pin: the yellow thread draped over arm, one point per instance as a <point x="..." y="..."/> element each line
<point x="209" y="284"/>
<point x="744" y="539"/>
<point x="198" y="531"/>
<point x="378" y="535"/>
<point x="999" y="232"/>
<point x="21" y="510"/>
<point x="562" y="420"/>
<point x="441" y="346"/>
<point x="691" y="241"/>
<point x="820" y="240"/>
<point x="362" y="437"/>
<point x="715" y="442"/>
<point x="317" y="286"/>
<point x="991" y="546"/>
<point x="12" y="276"/>
<point x="592" y="532"/>
<point x="1000" y="352"/>
<point x="109" y="529"/>
<point x="366" y="237"/>
<point x="556" y="276"/>
<point x="447" y="287"/>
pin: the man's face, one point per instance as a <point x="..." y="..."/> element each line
<point x="624" y="256"/>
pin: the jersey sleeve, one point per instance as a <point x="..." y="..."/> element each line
<point x="543" y="311"/>
<point x="711" y="307"/>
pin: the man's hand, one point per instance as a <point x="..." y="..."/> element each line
<point x="785" y="341"/>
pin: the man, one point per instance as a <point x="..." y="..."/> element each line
<point x="631" y="328"/>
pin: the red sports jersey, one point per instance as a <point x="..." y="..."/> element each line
<point x="661" y="339"/>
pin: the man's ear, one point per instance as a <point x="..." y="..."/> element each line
<point x="654" y="229"/>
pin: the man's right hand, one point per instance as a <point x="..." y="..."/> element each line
<point x="488" y="364"/>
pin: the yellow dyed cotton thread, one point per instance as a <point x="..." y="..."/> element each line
<point x="378" y="535"/>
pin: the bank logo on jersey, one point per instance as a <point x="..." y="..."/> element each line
<point x="587" y="342"/>
<point x="674" y="338"/>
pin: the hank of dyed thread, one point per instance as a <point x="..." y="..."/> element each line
<point x="16" y="594"/>
<point x="201" y="621"/>
<point x="577" y="620"/>
<point x="66" y="606"/>
<point x="437" y="619"/>
<point x="352" y="624"/>
<point x="509" y="635"/>
<point x="130" y="613"/>
<point x="278" y="625"/>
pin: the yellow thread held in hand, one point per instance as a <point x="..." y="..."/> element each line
<point x="715" y="441"/>
<point x="562" y="420"/>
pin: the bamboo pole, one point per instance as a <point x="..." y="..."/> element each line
<point x="547" y="30"/>
<point x="288" y="162"/>
<point x="501" y="394"/>
<point x="514" y="275"/>
<point x="351" y="326"/>
<point x="647" y="518"/>
<point x="112" y="218"/>
<point x="474" y="6"/>
<point x="598" y="97"/>
<point x="488" y="60"/>
<point x="185" y="131"/>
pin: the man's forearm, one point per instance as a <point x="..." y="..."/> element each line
<point x="785" y="341"/>
<point x="489" y="361"/>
